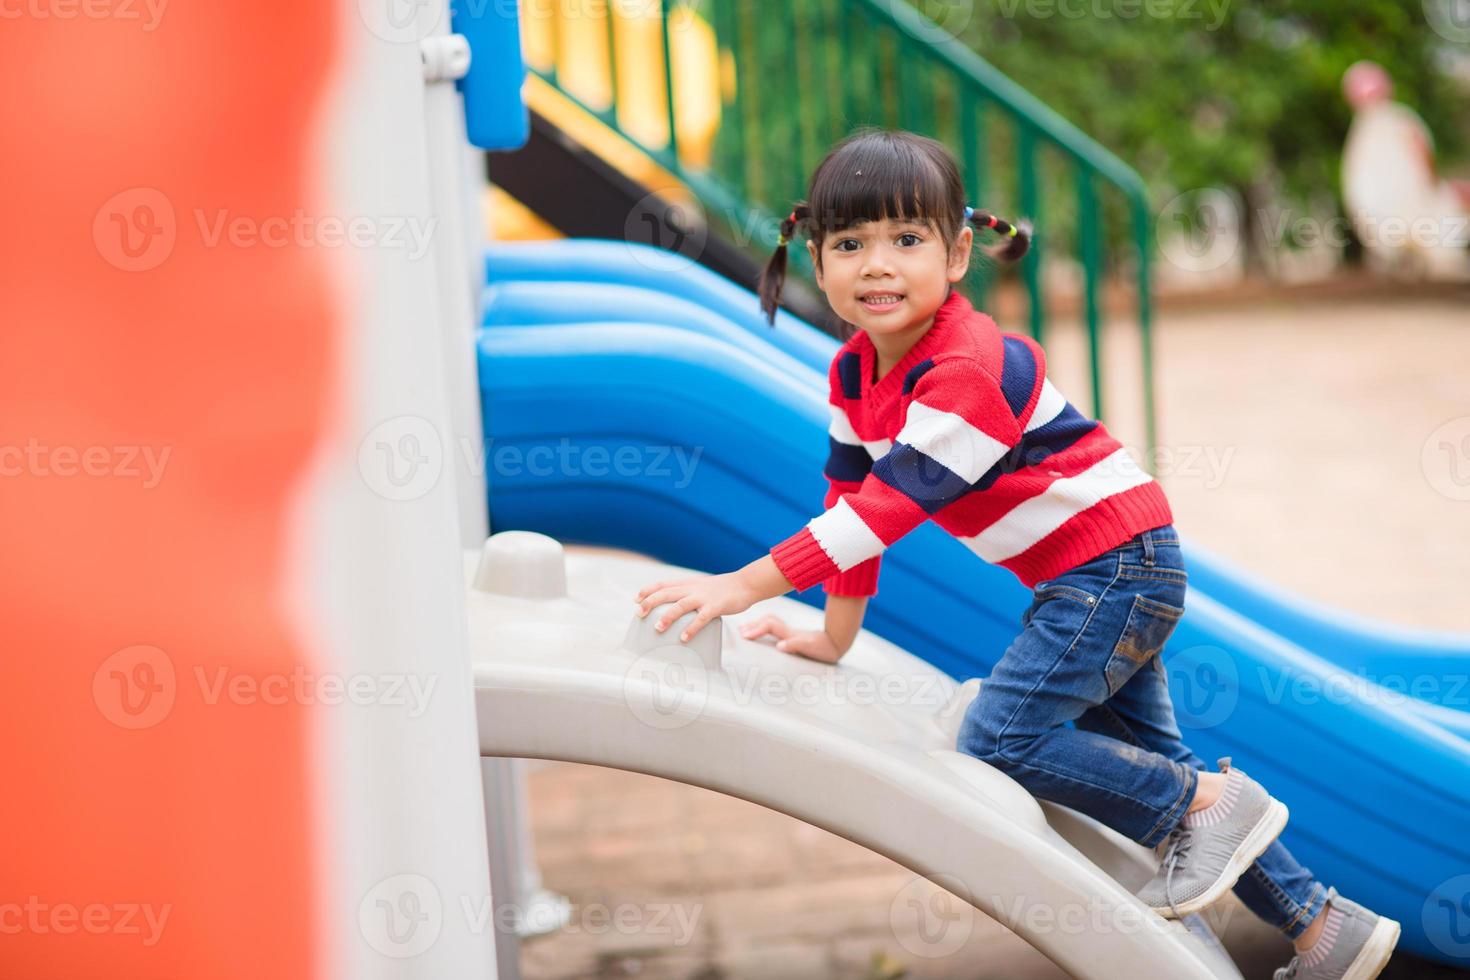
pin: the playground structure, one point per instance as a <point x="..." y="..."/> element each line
<point x="556" y="678"/>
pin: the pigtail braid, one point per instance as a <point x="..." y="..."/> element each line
<point x="1016" y="238"/>
<point x="773" y="277"/>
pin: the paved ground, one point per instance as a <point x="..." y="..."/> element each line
<point x="1295" y="441"/>
<point x="1325" y="447"/>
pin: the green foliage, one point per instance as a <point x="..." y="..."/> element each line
<point x="1215" y="93"/>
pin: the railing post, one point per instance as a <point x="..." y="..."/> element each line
<point x="1089" y="244"/>
<point x="731" y="140"/>
<point x="849" y="90"/>
<point x="612" y="57"/>
<point x="972" y="142"/>
<point x="1030" y="205"/>
<point x="663" y="11"/>
<point x="791" y="71"/>
<point x="555" y="36"/>
<point x="1141" y="225"/>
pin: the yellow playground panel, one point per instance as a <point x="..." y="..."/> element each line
<point x="578" y="42"/>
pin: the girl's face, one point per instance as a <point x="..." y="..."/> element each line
<point x="889" y="276"/>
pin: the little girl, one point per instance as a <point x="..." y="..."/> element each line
<point x="937" y="414"/>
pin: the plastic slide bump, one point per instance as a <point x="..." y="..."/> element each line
<point x="566" y="670"/>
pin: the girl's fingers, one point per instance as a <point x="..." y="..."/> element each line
<point x="755" y="630"/>
<point x="649" y="588"/>
<point x="680" y="608"/>
<point x="669" y="593"/>
<point x="666" y="584"/>
<point x="766" y="624"/>
<point x="778" y="628"/>
<point x="697" y="624"/>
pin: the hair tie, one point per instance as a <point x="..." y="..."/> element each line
<point x="969" y="212"/>
<point x="781" y="237"/>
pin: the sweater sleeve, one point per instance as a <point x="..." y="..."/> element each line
<point x="957" y="426"/>
<point x="862" y="578"/>
<point x="848" y="463"/>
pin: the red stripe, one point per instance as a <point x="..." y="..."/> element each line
<point x="889" y="513"/>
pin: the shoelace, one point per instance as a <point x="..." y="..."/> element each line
<point x="1288" y="971"/>
<point x="1179" y="844"/>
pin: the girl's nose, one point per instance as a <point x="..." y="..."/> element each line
<point x="877" y="264"/>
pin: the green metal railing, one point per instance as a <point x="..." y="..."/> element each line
<point x="805" y="73"/>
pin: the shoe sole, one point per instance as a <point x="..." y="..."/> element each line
<point x="1262" y="834"/>
<point x="1373" y="957"/>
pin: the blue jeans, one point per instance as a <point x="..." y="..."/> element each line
<point x="1088" y="654"/>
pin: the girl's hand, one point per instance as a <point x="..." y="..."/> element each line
<point x="712" y="595"/>
<point x="815" y="644"/>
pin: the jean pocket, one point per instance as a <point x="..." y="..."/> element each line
<point x="1149" y="624"/>
<point x="1158" y="573"/>
<point x="1055" y="590"/>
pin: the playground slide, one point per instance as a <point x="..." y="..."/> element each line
<point x="676" y="436"/>
<point x="550" y="282"/>
<point x="565" y="670"/>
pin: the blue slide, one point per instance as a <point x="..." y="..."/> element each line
<point x="636" y="401"/>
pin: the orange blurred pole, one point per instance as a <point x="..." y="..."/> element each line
<point x="161" y="395"/>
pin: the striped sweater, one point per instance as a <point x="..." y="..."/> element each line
<point x="966" y="429"/>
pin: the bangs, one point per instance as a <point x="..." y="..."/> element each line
<point x="873" y="178"/>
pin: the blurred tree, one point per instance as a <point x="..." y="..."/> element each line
<point x="1238" y="94"/>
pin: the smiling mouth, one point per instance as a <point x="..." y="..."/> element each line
<point x="879" y="302"/>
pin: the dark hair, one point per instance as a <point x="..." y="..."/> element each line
<point x="875" y="174"/>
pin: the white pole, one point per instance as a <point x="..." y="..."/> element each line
<point x="402" y="827"/>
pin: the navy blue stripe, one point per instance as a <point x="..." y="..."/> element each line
<point x="850" y="373"/>
<point x="915" y="373"/>
<point x="847" y="462"/>
<point x="929" y="484"/>
<point x="1017" y="374"/>
<point x="1038" y="445"/>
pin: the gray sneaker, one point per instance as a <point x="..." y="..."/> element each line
<point x="1361" y="943"/>
<point x="1201" y="863"/>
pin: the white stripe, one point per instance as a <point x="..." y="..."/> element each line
<point x="840" y="428"/>
<point x="1048" y="406"/>
<point x="950" y="441"/>
<point x="1031" y="520"/>
<point x="844" y="537"/>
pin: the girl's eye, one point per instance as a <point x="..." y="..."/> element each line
<point x="845" y="241"/>
<point x="909" y="234"/>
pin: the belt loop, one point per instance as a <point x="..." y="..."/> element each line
<point x="1148" y="547"/>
